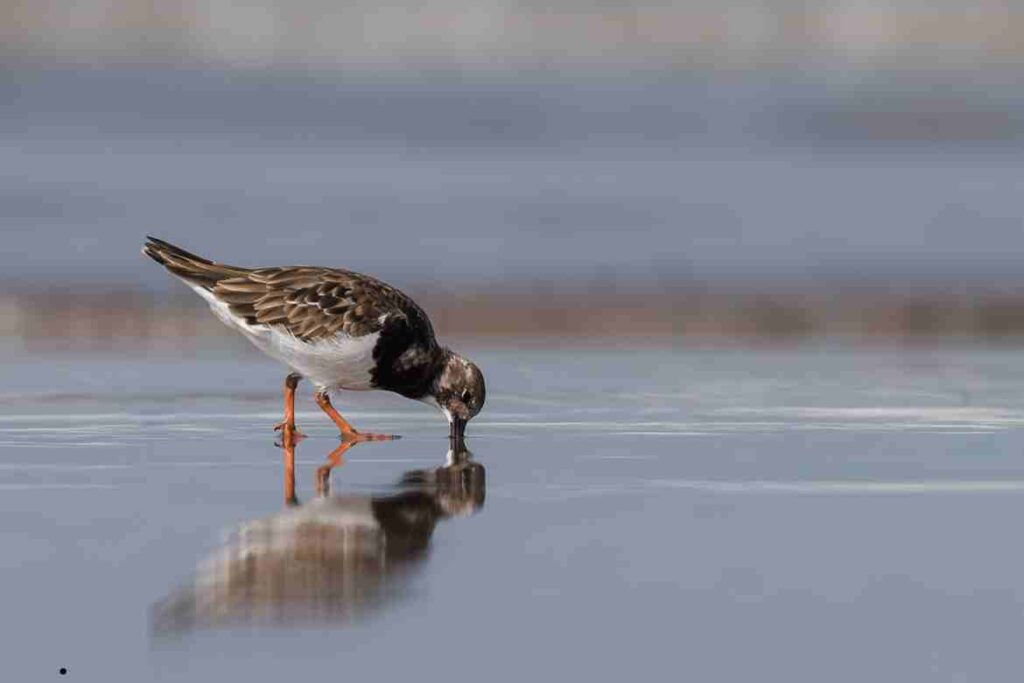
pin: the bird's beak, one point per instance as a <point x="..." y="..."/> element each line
<point x="457" y="433"/>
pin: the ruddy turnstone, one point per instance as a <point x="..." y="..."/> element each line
<point x="339" y="329"/>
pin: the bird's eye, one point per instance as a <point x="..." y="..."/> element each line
<point x="465" y="396"/>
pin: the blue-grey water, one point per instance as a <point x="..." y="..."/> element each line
<point x="654" y="175"/>
<point x="810" y="514"/>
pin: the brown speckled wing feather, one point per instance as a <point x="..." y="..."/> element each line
<point x="317" y="303"/>
<point x="314" y="304"/>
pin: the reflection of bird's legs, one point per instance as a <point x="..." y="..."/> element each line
<point x="336" y="458"/>
<point x="287" y="426"/>
<point x="288" y="443"/>
<point x="348" y="432"/>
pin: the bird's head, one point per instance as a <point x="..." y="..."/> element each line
<point x="458" y="390"/>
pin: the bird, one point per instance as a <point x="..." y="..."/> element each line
<point x="341" y="330"/>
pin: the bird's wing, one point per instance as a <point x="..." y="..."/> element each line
<point x="194" y="270"/>
<point x="315" y="303"/>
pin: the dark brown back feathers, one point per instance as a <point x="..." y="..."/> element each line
<point x="310" y="302"/>
<point x="189" y="267"/>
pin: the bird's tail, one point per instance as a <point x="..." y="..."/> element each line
<point x="193" y="269"/>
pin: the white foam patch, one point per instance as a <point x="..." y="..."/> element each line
<point x="900" y="413"/>
<point x="775" y="488"/>
<point x="844" y="487"/>
<point x="44" y="487"/>
<point x="19" y="466"/>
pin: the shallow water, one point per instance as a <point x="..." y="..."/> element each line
<point x="814" y="514"/>
<point x="676" y="176"/>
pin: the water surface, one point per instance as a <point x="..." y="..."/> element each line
<point x="814" y="514"/>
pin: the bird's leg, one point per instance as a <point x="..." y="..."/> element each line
<point x="334" y="459"/>
<point x="288" y="443"/>
<point x="348" y="432"/>
<point x="287" y="426"/>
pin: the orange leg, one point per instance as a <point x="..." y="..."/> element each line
<point x="288" y="444"/>
<point x="348" y="432"/>
<point x="287" y="426"/>
<point x="336" y="458"/>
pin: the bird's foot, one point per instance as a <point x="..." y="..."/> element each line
<point x="356" y="437"/>
<point x="289" y="432"/>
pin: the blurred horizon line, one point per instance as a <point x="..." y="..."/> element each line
<point x="66" y="319"/>
<point x="871" y="34"/>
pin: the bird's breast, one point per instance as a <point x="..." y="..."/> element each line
<point x="339" y="362"/>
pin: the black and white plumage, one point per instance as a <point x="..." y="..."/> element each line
<point x="340" y="329"/>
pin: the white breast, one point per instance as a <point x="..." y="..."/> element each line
<point x="340" y="362"/>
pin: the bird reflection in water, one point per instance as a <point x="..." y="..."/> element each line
<point x="334" y="558"/>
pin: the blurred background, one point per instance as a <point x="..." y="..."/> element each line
<point x="662" y="172"/>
